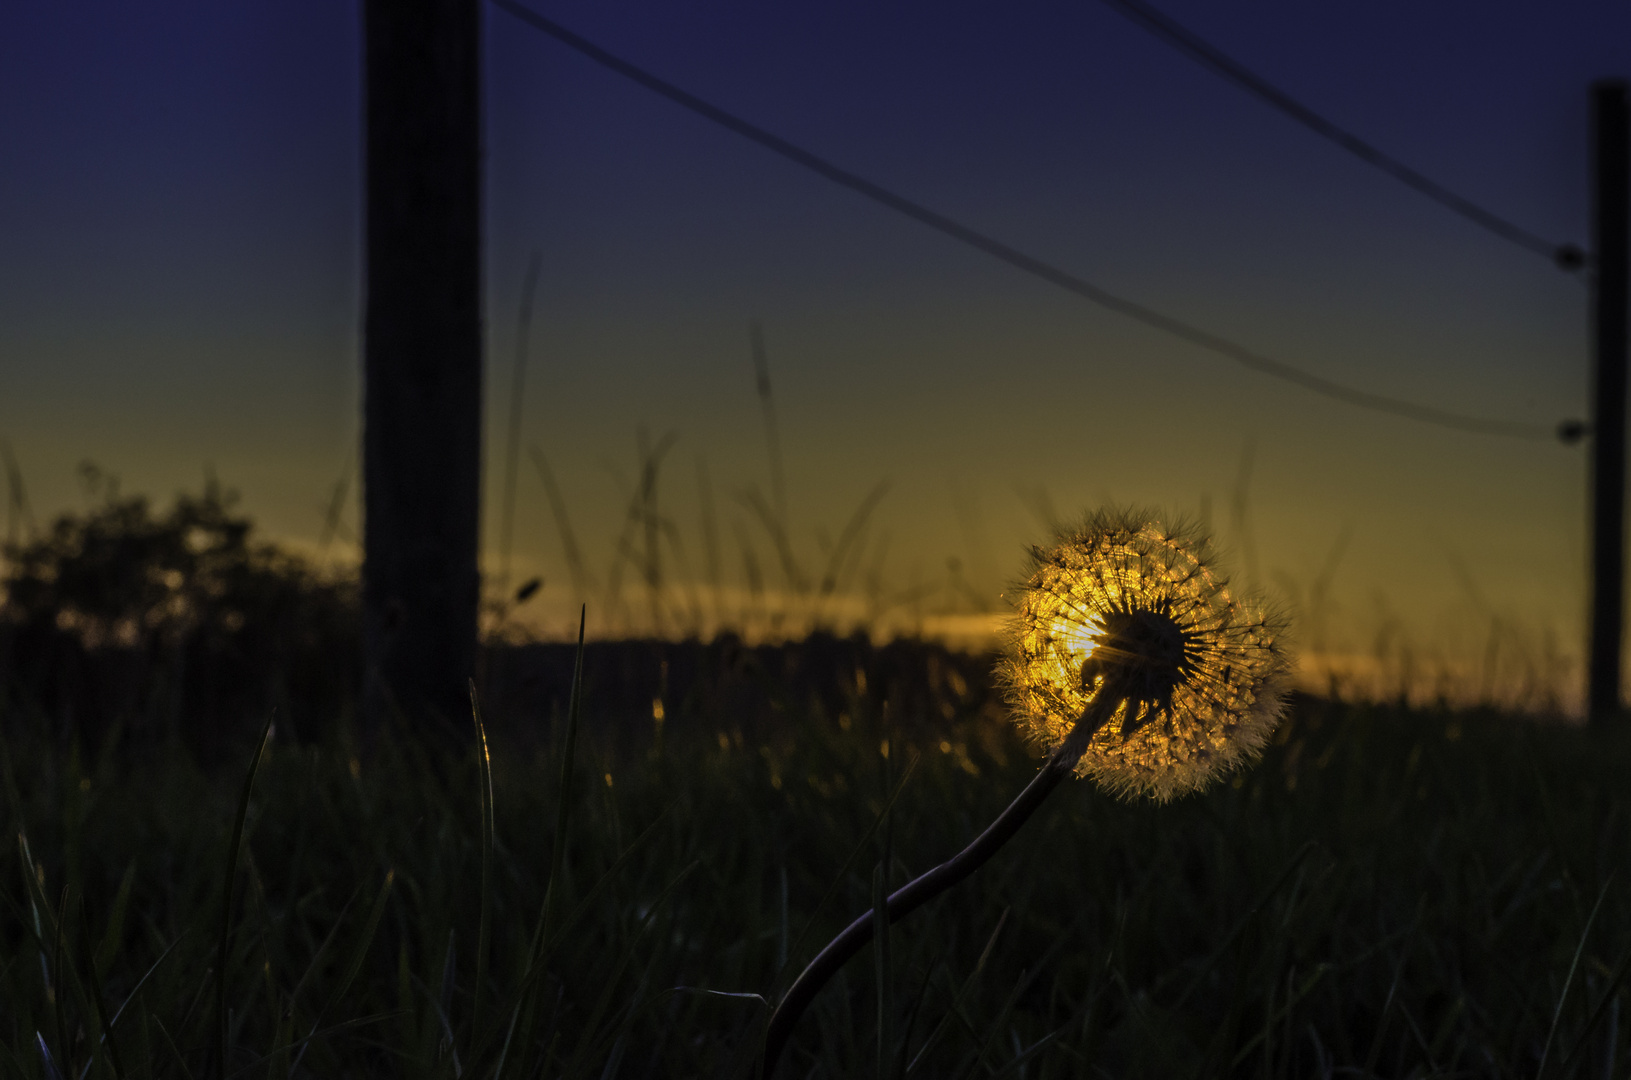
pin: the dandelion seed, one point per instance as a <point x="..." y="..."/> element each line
<point x="1126" y="635"/>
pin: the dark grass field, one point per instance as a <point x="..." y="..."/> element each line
<point x="1388" y="893"/>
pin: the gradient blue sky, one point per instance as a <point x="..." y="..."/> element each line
<point x="179" y="279"/>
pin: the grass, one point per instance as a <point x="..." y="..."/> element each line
<point x="1389" y="893"/>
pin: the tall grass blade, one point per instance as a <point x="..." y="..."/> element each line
<point x="897" y="1068"/>
<point x="141" y="982"/>
<point x="14" y="799"/>
<point x="996" y="1026"/>
<point x="957" y="999"/>
<point x="512" y="454"/>
<point x="59" y="999"/>
<point x="754" y="501"/>
<point x="1027" y="976"/>
<point x="444" y="1003"/>
<point x="525" y="1009"/>
<point x="710" y="536"/>
<point x="358" y="954"/>
<point x="484" y="768"/>
<point x="46" y="1061"/>
<point x="587" y="1044"/>
<point x="57" y="973"/>
<point x="234" y="850"/>
<point x="781" y="918"/>
<point x="315" y="1036"/>
<point x="880" y="965"/>
<point x="1608" y="996"/>
<point x="581" y="581"/>
<point x="104" y="1034"/>
<point x="767" y="403"/>
<point x="1284" y="1011"/>
<point x="1027" y="1054"/>
<point x="615" y="1060"/>
<point x="530" y="978"/>
<point x="833" y="575"/>
<point x="1245" y="919"/>
<point x="322" y="949"/>
<point x="1568" y="983"/>
<point x="1374" y="1054"/>
<point x="115" y="933"/>
<point x="10" y="1059"/>
<point x="175" y="1052"/>
<point x="563" y="806"/>
<point x="33" y="882"/>
<point x="855" y="853"/>
<point x="440" y="1008"/>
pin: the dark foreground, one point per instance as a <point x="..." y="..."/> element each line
<point x="1388" y="893"/>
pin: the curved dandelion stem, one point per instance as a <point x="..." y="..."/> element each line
<point x="920" y="890"/>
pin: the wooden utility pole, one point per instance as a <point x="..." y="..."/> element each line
<point x="422" y="356"/>
<point x="1611" y="201"/>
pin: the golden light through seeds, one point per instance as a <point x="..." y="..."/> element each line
<point x="1124" y="606"/>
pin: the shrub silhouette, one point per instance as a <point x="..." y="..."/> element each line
<point x="178" y="624"/>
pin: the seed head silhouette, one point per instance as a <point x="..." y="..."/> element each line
<point x="1127" y="621"/>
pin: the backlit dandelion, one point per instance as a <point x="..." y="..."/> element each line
<point x="1129" y="647"/>
<point x="1133" y="663"/>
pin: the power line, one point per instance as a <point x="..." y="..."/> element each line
<point x="1014" y="257"/>
<point x="1565" y="255"/>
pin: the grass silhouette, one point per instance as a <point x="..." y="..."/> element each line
<point x="1391" y="891"/>
<point x="662" y="832"/>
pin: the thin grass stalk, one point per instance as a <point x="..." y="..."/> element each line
<point x="525" y="1009"/>
<point x="880" y="963"/>
<point x="586" y="1044"/>
<point x="767" y="403"/>
<point x="46" y="1061"/>
<point x="523" y="992"/>
<point x="512" y="451"/>
<point x="1245" y="919"/>
<point x="1568" y="983"/>
<point x="33" y="886"/>
<point x="114" y="934"/>
<point x="1609" y="994"/>
<point x="59" y="997"/>
<point x="651" y="567"/>
<point x="11" y="1059"/>
<point x="955" y="1009"/>
<point x="710" y="537"/>
<point x="354" y="966"/>
<point x="855" y="853"/>
<point x="104" y="1035"/>
<point x="773" y="527"/>
<point x="484" y="769"/>
<point x="563" y="808"/>
<point x="581" y="581"/>
<point x="848" y="542"/>
<point x="1026" y="977"/>
<point x="897" y="1067"/>
<point x="168" y="949"/>
<point x="234" y="851"/>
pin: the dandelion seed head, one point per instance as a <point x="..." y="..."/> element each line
<point x="1127" y="612"/>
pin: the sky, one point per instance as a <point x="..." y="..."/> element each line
<point x="180" y="288"/>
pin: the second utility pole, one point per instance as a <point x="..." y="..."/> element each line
<point x="1611" y="124"/>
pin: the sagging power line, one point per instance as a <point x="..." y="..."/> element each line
<point x="1567" y="256"/>
<point x="1178" y="328"/>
